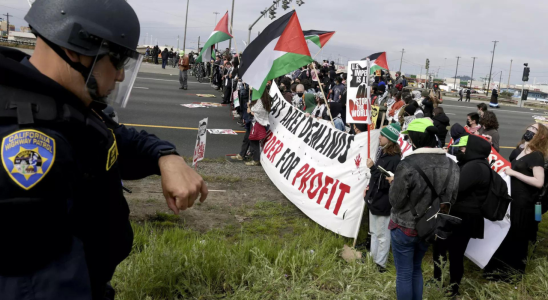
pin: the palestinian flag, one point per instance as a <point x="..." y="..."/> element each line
<point x="320" y="38"/>
<point x="378" y="61"/>
<point x="219" y="34"/>
<point x="278" y="50"/>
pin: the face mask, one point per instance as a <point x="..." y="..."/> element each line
<point x="460" y="156"/>
<point x="528" y="135"/>
<point x="468" y="124"/>
<point x="300" y="94"/>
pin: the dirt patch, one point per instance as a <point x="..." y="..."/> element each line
<point x="232" y="186"/>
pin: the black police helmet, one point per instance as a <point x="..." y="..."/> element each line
<point x="80" y="26"/>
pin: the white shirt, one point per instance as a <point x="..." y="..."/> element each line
<point x="260" y="114"/>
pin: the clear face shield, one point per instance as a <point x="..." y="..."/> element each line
<point x="113" y="74"/>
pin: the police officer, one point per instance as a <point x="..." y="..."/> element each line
<point x="63" y="218"/>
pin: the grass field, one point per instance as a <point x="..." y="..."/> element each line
<point x="278" y="253"/>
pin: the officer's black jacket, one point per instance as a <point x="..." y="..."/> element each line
<point x="81" y="194"/>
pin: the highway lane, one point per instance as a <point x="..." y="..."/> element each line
<point x="156" y="100"/>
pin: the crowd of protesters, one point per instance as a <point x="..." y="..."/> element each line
<point x="400" y="190"/>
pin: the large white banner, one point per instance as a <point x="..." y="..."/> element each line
<point x="358" y="105"/>
<point x="320" y="169"/>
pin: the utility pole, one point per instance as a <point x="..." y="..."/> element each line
<point x="198" y="45"/>
<point x="492" y="58"/>
<point x="8" y="20"/>
<point x="509" y="74"/>
<point x="472" y="77"/>
<point x="500" y="82"/>
<point x="420" y="77"/>
<point x="231" y="22"/>
<point x="458" y="57"/>
<point x="186" y="21"/>
<point x="178" y="43"/>
<point x="401" y="60"/>
<point x="215" y="25"/>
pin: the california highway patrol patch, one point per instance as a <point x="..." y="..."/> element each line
<point x="27" y="156"/>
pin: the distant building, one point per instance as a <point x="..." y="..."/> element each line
<point x="18" y="36"/>
<point x="4" y="26"/>
<point x="24" y="29"/>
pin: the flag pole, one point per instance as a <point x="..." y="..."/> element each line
<point x="324" y="97"/>
<point x="314" y="58"/>
<point x="368" y="140"/>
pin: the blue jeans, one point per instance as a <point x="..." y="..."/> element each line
<point x="164" y="63"/>
<point x="408" y="254"/>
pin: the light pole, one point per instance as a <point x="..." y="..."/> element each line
<point x="186" y="21"/>
<point x="401" y="60"/>
<point x="214" y="25"/>
<point x="472" y="77"/>
<point x="458" y="57"/>
<point x="490" y="71"/>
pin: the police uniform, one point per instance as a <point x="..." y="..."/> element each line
<point x="61" y="176"/>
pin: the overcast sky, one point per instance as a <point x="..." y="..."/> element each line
<point x="438" y="30"/>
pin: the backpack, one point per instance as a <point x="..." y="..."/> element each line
<point x="404" y="82"/>
<point x="543" y="195"/>
<point x="496" y="204"/>
<point x="435" y="222"/>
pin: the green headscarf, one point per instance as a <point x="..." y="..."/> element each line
<point x="309" y="102"/>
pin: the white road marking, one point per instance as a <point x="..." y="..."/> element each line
<point x="493" y="110"/>
<point x="140" y="87"/>
<point x="146" y="78"/>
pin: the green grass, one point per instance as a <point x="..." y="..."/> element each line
<point x="278" y="253"/>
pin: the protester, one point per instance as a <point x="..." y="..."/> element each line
<point x="527" y="178"/>
<point x="494" y="98"/>
<point x="472" y="122"/>
<point x="305" y="74"/>
<point x="298" y="98"/>
<point x="428" y="104"/>
<point x="482" y="107"/>
<point x="441" y="121"/>
<point x="285" y="89"/>
<point x="460" y="94"/>
<point x="474" y="184"/>
<point x="343" y="106"/>
<point x="336" y="111"/>
<point x="338" y="89"/>
<point x="396" y="106"/>
<point x="320" y="110"/>
<point x="165" y="57"/>
<point x="184" y="65"/>
<point x="377" y="194"/>
<point x="408" y="116"/>
<point x="227" y="77"/>
<point x="259" y="109"/>
<point x="409" y="190"/>
<point x="468" y="92"/>
<point x="247" y="119"/>
<point x="147" y="53"/>
<point x="489" y="128"/>
<point x="457" y="132"/>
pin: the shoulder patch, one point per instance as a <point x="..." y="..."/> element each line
<point x="27" y="156"/>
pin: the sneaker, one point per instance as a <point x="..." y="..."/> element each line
<point x="253" y="163"/>
<point x="237" y="157"/>
<point x="381" y="269"/>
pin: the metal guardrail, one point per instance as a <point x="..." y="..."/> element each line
<point x="3" y="40"/>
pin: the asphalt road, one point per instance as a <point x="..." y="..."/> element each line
<point x="156" y="101"/>
<point x="155" y="106"/>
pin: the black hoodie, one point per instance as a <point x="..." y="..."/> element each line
<point x="457" y="131"/>
<point x="474" y="186"/>
<point x="441" y="121"/>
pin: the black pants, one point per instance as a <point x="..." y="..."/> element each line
<point x="456" y="246"/>
<point x="460" y="99"/>
<point x="227" y="95"/>
<point x="256" y="149"/>
<point x="245" y="144"/>
<point x="468" y="98"/>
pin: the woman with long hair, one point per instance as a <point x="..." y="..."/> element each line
<point x="259" y="109"/>
<point x="527" y="179"/>
<point x="490" y="128"/>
